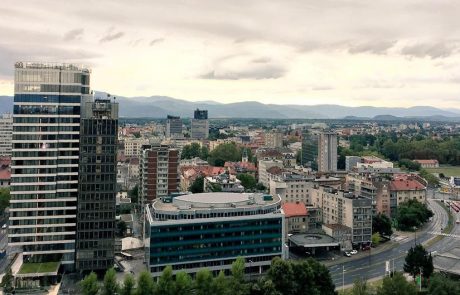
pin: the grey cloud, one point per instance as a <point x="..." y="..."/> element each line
<point x="375" y="47"/>
<point x="259" y="73"/>
<point x="261" y="60"/>
<point x="322" y="88"/>
<point x="156" y="41"/>
<point x="111" y="37"/>
<point x="433" y="50"/>
<point x="73" y="34"/>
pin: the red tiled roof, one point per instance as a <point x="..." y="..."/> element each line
<point x="432" y="161"/>
<point x="275" y="170"/>
<point x="5" y="174"/>
<point x="404" y="183"/>
<point x="294" y="209"/>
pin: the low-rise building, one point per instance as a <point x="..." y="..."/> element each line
<point x="223" y="182"/>
<point x="296" y="218"/>
<point x="133" y="146"/>
<point x="432" y="163"/>
<point x="210" y="230"/>
<point x="263" y="166"/>
<point x="405" y="187"/>
<point x="292" y="188"/>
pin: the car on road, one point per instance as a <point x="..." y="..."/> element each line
<point x="353" y="252"/>
<point x="457" y="221"/>
<point x="347" y="254"/>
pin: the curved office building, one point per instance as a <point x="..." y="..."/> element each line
<point x="210" y="230"/>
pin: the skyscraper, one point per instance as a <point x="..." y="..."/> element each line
<point x="6" y="134"/>
<point x="97" y="185"/>
<point x="173" y="127"/>
<point x="158" y="172"/>
<point x="200" y="125"/>
<point x="327" y="152"/>
<point x="44" y="180"/>
<point x="310" y="150"/>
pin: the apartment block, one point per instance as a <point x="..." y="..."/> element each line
<point x="173" y="127"/>
<point x="6" y="134"/>
<point x="133" y="146"/>
<point x="327" y="152"/>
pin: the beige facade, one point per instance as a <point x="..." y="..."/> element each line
<point x="292" y="189"/>
<point x="263" y="166"/>
<point x="133" y="146"/>
<point x="274" y="139"/>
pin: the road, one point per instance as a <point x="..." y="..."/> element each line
<point x="374" y="266"/>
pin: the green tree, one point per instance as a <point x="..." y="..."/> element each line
<point x="197" y="186"/>
<point x="7" y="281"/>
<point x="360" y="287"/>
<point x="432" y="180"/>
<point x="224" y="152"/>
<point x="418" y="259"/>
<point x="191" y="151"/>
<point x="128" y="285"/>
<point x="134" y="194"/>
<point x="121" y="227"/>
<point x="183" y="283"/>
<point x="382" y="225"/>
<point x="282" y="275"/>
<point x="237" y="282"/>
<point x="219" y="284"/>
<point x="4" y="199"/>
<point x="110" y="286"/>
<point x="89" y="285"/>
<point x="145" y="285"/>
<point x="410" y="165"/>
<point x="376" y="239"/>
<point x="247" y="180"/>
<point x="396" y="285"/>
<point x="166" y="285"/>
<point x="203" y="282"/>
<point x="441" y="285"/>
<point x="412" y="214"/>
<point x="264" y="286"/>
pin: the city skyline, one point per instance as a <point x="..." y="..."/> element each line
<point x="301" y="52"/>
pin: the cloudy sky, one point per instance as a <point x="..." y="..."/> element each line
<point x="381" y="53"/>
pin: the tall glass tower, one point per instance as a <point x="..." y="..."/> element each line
<point x="45" y="160"/>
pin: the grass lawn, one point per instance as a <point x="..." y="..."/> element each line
<point x="44" y="267"/>
<point x="447" y="170"/>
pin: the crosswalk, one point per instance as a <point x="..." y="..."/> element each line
<point x="443" y="234"/>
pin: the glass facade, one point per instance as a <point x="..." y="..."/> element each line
<point x="45" y="157"/>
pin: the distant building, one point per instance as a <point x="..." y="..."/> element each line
<point x="405" y="187"/>
<point x="292" y="188"/>
<point x="327" y="152"/>
<point x="196" y="231"/>
<point x="433" y="163"/>
<point x="133" y="146"/>
<point x="274" y="139"/>
<point x="310" y="150"/>
<point x="199" y="125"/>
<point x="173" y="127"/>
<point x="351" y="162"/>
<point x="222" y="183"/>
<point x="263" y="166"/>
<point x="6" y="134"/>
<point x="158" y="172"/>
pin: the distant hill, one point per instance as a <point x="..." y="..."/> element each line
<point x="161" y="106"/>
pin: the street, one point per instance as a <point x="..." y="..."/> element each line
<point x="373" y="266"/>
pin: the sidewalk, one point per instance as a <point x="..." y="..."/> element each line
<point x="361" y="254"/>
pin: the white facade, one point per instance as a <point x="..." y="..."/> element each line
<point x="133" y="146"/>
<point x="327" y="152"/>
<point x="6" y="134"/>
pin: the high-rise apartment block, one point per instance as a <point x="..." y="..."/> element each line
<point x="173" y="127"/>
<point x="97" y="185"/>
<point x="6" y="134"/>
<point x="310" y="150"/>
<point x="327" y="152"/>
<point x="158" y="172"/>
<point x="45" y="160"/>
<point x="274" y="139"/>
<point x="200" y="124"/>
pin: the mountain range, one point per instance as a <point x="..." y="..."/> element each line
<point x="161" y="106"/>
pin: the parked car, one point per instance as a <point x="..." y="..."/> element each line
<point x="347" y="254"/>
<point x="353" y="252"/>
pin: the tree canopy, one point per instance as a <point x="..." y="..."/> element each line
<point x="381" y="224"/>
<point x="197" y="186"/>
<point x="396" y="285"/>
<point x="418" y="260"/>
<point x="224" y="152"/>
<point x="247" y="180"/>
<point x="412" y="214"/>
<point x="4" y="199"/>
<point x="194" y="150"/>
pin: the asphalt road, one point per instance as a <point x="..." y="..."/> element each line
<point x="374" y="266"/>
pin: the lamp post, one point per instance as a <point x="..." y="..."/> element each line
<point x="343" y="278"/>
<point x="415" y="233"/>
<point x="250" y="269"/>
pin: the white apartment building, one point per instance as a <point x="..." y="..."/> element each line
<point x="133" y="146"/>
<point x="6" y="134"/>
<point x="263" y="166"/>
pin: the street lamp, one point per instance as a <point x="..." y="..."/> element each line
<point x="250" y="269"/>
<point x="415" y="233"/>
<point x="343" y="278"/>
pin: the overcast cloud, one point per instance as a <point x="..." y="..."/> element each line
<point x="384" y="53"/>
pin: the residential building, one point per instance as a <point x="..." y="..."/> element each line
<point x="432" y="163"/>
<point x="211" y="230"/>
<point x="351" y="162"/>
<point x="296" y="218"/>
<point x="263" y="166"/>
<point x="404" y="187"/>
<point x="97" y="185"/>
<point x="223" y="182"/>
<point x="292" y="188"/>
<point x="274" y="139"/>
<point x="6" y="134"/>
<point x="199" y="125"/>
<point x="327" y="152"/>
<point x="45" y="153"/>
<point x="173" y="127"/>
<point x="158" y="172"/>
<point x="188" y="174"/>
<point x="341" y="233"/>
<point x="374" y="162"/>
<point x="340" y="207"/>
<point x="133" y="146"/>
<point x="310" y="150"/>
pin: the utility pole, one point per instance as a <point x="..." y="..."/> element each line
<point x="343" y="278"/>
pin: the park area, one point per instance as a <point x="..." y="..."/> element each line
<point x="446" y="170"/>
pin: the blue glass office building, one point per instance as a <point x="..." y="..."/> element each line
<point x="210" y="230"/>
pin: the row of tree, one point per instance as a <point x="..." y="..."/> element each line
<point x="218" y="156"/>
<point x="412" y="214"/>
<point x="283" y="278"/>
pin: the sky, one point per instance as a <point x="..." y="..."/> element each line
<point x="378" y="53"/>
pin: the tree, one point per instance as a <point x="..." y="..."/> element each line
<point x="4" y="199"/>
<point x="418" y="259"/>
<point x="145" y="285"/>
<point x="247" y="180"/>
<point x="183" y="283"/>
<point x="197" y="186"/>
<point x="412" y="214"/>
<point x="410" y="165"/>
<point x="191" y="151"/>
<point x="381" y="224"/>
<point x="110" y="283"/>
<point x="203" y="282"/>
<point x="89" y="285"/>
<point x="441" y="285"/>
<point x="396" y="285"/>
<point x="224" y="152"/>
<point x="282" y="275"/>
<point x="134" y="194"/>
<point x="376" y="239"/>
<point x="219" y="284"/>
<point x="128" y="285"/>
<point x="165" y="285"/>
<point x="264" y="286"/>
<point x="122" y="227"/>
<point x="360" y="287"/>
<point x="237" y="282"/>
<point x="7" y="281"/>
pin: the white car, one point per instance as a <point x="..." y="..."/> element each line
<point x="4" y="226"/>
<point x="353" y="252"/>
